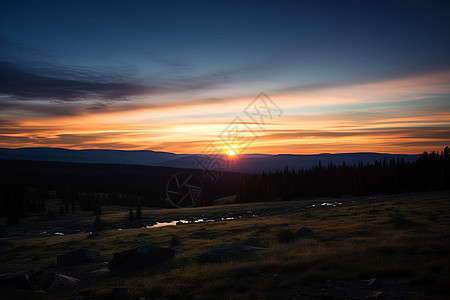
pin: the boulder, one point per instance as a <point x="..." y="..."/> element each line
<point x="19" y="280"/>
<point x="57" y="282"/>
<point x="304" y="232"/>
<point x="139" y="258"/>
<point x="78" y="256"/>
<point x="373" y="283"/>
<point x="230" y="252"/>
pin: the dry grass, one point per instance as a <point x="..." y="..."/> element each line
<point x="355" y="240"/>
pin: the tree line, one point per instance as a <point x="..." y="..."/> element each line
<point x="34" y="186"/>
<point x="431" y="171"/>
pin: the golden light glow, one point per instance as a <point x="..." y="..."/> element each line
<point x="396" y="116"/>
<point x="231" y="152"/>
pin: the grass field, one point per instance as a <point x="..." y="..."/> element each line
<point x="360" y="239"/>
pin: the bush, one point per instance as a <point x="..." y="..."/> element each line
<point x="99" y="224"/>
<point x="285" y="236"/>
<point x="175" y="240"/>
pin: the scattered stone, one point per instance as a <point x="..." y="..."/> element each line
<point x="248" y="271"/>
<point x="142" y="234"/>
<point x="39" y="294"/>
<point x="373" y="283"/>
<point x="139" y="258"/>
<point x="18" y="280"/>
<point x="101" y="270"/>
<point x="120" y="293"/>
<point x="79" y="256"/>
<point x="377" y="295"/>
<point x="57" y="282"/>
<point x="304" y="232"/>
<point x="229" y="252"/>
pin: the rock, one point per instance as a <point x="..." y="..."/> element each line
<point x="79" y="298"/>
<point x="101" y="270"/>
<point x="373" y="283"/>
<point x="79" y="256"/>
<point x="304" y="232"/>
<point x="139" y="258"/>
<point x="92" y="244"/>
<point x="142" y="234"/>
<point x="120" y="293"/>
<point x="56" y="282"/>
<point x="38" y="294"/>
<point x="377" y="295"/>
<point x="18" y="280"/>
<point x="248" y="271"/>
<point x="229" y="252"/>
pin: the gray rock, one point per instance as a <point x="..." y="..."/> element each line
<point x="230" y="252"/>
<point x="78" y="256"/>
<point x="377" y="295"/>
<point x="18" y="280"/>
<point x="248" y="271"/>
<point x="139" y="258"/>
<point x="57" y="282"/>
<point x="373" y="283"/>
<point x="142" y="234"/>
<point x="304" y="232"/>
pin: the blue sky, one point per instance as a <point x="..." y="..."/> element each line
<point x="72" y="58"/>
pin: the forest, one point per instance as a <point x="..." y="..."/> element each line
<point x="431" y="171"/>
<point x="26" y="186"/>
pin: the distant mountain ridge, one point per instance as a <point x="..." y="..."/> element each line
<point x="246" y="163"/>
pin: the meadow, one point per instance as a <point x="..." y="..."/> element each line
<point x="401" y="240"/>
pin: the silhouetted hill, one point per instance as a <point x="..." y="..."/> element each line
<point x="247" y="163"/>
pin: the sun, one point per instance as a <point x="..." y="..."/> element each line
<point x="231" y="152"/>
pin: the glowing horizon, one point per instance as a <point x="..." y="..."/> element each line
<point x="149" y="86"/>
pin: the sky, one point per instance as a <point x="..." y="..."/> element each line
<point x="176" y="76"/>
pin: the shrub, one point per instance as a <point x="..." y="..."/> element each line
<point x="99" y="224"/>
<point x="285" y="236"/>
<point x="175" y="240"/>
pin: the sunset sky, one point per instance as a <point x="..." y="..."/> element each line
<point x="348" y="76"/>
